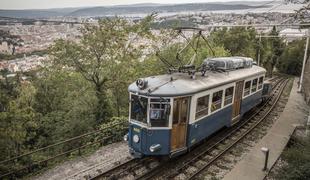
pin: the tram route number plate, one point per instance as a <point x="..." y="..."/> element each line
<point x="137" y="130"/>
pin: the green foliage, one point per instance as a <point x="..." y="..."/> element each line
<point x="101" y="50"/>
<point x="290" y="61"/>
<point x="19" y="123"/>
<point x="239" y="41"/>
<point x="297" y="161"/>
<point x="271" y="49"/>
<point x="66" y="102"/>
<point x="168" y="52"/>
<point x="117" y="132"/>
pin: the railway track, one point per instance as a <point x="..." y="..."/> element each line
<point x="129" y="169"/>
<point x="191" y="165"/>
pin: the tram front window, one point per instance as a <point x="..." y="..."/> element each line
<point x="138" y="111"/>
<point x="159" y="114"/>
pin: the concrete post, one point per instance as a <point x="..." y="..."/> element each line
<point x="266" y="152"/>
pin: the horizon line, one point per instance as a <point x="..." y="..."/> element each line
<point x="133" y="4"/>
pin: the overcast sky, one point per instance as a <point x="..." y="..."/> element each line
<point x="45" y="4"/>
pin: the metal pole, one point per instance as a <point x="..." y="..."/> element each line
<point x="258" y="56"/>
<point x="304" y="63"/>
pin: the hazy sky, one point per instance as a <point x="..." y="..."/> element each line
<point x="44" y="4"/>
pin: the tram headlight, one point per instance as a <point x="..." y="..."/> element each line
<point x="136" y="138"/>
<point x="126" y="137"/>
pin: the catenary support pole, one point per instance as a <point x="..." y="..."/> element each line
<point x="260" y="43"/>
<point x="304" y="63"/>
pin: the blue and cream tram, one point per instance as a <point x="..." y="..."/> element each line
<point x="172" y="112"/>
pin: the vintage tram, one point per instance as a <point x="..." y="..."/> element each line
<point x="168" y="114"/>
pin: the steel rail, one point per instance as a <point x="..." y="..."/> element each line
<point x="124" y="167"/>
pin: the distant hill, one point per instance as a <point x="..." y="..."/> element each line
<point x="145" y="8"/>
<point x="103" y="11"/>
<point x="30" y="13"/>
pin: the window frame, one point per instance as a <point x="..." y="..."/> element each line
<point x="161" y="109"/>
<point x="147" y="112"/>
<point x="232" y="96"/>
<point x="251" y="80"/>
<point x="252" y="85"/>
<point x="208" y="104"/>
<point x="249" y="89"/>
<point x="260" y="85"/>
<point x="221" y="101"/>
<point x="209" y="92"/>
<point x="147" y="126"/>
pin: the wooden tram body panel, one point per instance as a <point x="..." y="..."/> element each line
<point x="198" y="108"/>
<point x="237" y="101"/>
<point x="179" y="123"/>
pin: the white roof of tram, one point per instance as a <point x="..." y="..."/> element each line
<point x="181" y="84"/>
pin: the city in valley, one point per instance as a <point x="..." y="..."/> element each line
<point x="34" y="34"/>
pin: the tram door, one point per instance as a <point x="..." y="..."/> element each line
<point x="179" y="123"/>
<point x="237" y="101"/>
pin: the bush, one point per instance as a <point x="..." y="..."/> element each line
<point x="297" y="161"/>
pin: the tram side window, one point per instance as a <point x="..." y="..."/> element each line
<point x="138" y="111"/>
<point x="228" y="96"/>
<point x="260" y="83"/>
<point x="247" y="87"/>
<point x="159" y="115"/>
<point x="217" y="100"/>
<point x="202" y="107"/>
<point x="254" y="85"/>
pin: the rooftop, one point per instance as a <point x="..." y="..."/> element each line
<point x="180" y="84"/>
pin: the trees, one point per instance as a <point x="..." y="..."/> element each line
<point x="242" y="41"/>
<point x="290" y="62"/>
<point x="18" y="122"/>
<point x="66" y="103"/>
<point x="180" y="53"/>
<point x="271" y="48"/>
<point x="239" y="41"/>
<point x="13" y="40"/>
<point x="102" y="49"/>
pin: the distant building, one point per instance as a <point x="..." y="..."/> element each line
<point x="293" y="34"/>
<point x="5" y="48"/>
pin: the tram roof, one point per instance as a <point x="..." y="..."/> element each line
<point x="181" y="84"/>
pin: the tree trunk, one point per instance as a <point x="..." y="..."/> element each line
<point x="103" y="110"/>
